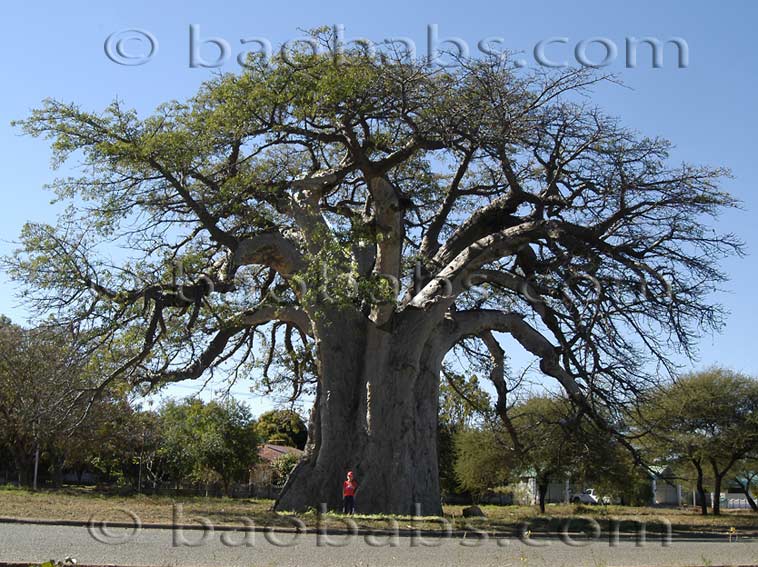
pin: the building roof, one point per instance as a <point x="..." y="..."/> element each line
<point x="268" y="452"/>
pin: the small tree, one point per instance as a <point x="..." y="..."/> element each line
<point x="462" y="403"/>
<point x="481" y="461"/>
<point x="41" y="376"/>
<point x="543" y="440"/>
<point x="228" y="444"/>
<point x="282" y="467"/>
<point x="545" y="447"/>
<point x="109" y="442"/>
<point x="175" y="450"/>
<point x="206" y="441"/>
<point x="708" y="419"/>
<point x="615" y="473"/>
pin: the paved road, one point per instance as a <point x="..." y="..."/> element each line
<point x="164" y="547"/>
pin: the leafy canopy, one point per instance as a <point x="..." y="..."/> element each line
<point x="313" y="189"/>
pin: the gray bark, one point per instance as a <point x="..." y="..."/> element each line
<point x="375" y="414"/>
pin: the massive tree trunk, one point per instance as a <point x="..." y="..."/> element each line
<point x="375" y="414"/>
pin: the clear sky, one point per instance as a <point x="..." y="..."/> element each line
<point x="708" y="108"/>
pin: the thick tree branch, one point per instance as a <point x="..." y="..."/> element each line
<point x="270" y="249"/>
<point x="215" y="348"/>
<point x="476" y="322"/>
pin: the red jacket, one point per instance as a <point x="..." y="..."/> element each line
<point x="348" y="488"/>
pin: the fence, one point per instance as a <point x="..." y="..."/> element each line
<point x="736" y="503"/>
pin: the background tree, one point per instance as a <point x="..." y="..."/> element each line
<point x="149" y="464"/>
<point x="708" y="419"/>
<point x="176" y="450"/>
<point x="108" y="442"/>
<point x="227" y="444"/>
<point x="282" y="427"/>
<point x="358" y="217"/>
<point x="549" y="441"/>
<point x="283" y="467"/>
<point x="42" y="374"/>
<point x="6" y="458"/>
<point x="482" y="462"/>
<point x="208" y="441"/>
<point x="614" y="473"/>
<point x="555" y="446"/>
<point x="462" y="406"/>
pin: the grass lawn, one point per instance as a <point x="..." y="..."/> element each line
<point x="85" y="504"/>
<point x="556" y="516"/>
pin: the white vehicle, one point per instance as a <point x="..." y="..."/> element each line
<point x="588" y="496"/>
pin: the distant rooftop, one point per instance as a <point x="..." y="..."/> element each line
<point x="268" y="452"/>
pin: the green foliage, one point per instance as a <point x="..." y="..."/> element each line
<point x="446" y="459"/>
<point x="558" y="444"/>
<point x="482" y="460"/>
<point x="282" y="427"/>
<point x="462" y="405"/>
<point x="705" y="421"/>
<point x="462" y="401"/>
<point x="613" y="473"/>
<point x="117" y="437"/>
<point x="553" y="444"/>
<point x="705" y="415"/>
<point x="177" y="441"/>
<point x="548" y="437"/>
<point x="52" y="563"/>
<point x="282" y="467"/>
<point x="204" y="441"/>
<point x="42" y="375"/>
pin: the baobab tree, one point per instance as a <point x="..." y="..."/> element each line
<point x="343" y="220"/>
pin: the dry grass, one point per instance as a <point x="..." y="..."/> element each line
<point x="555" y="517"/>
<point x="85" y="505"/>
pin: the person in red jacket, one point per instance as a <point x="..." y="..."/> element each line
<point x="348" y="494"/>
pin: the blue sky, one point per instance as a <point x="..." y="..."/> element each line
<point x="707" y="109"/>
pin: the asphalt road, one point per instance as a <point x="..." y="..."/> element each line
<point x="23" y="542"/>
